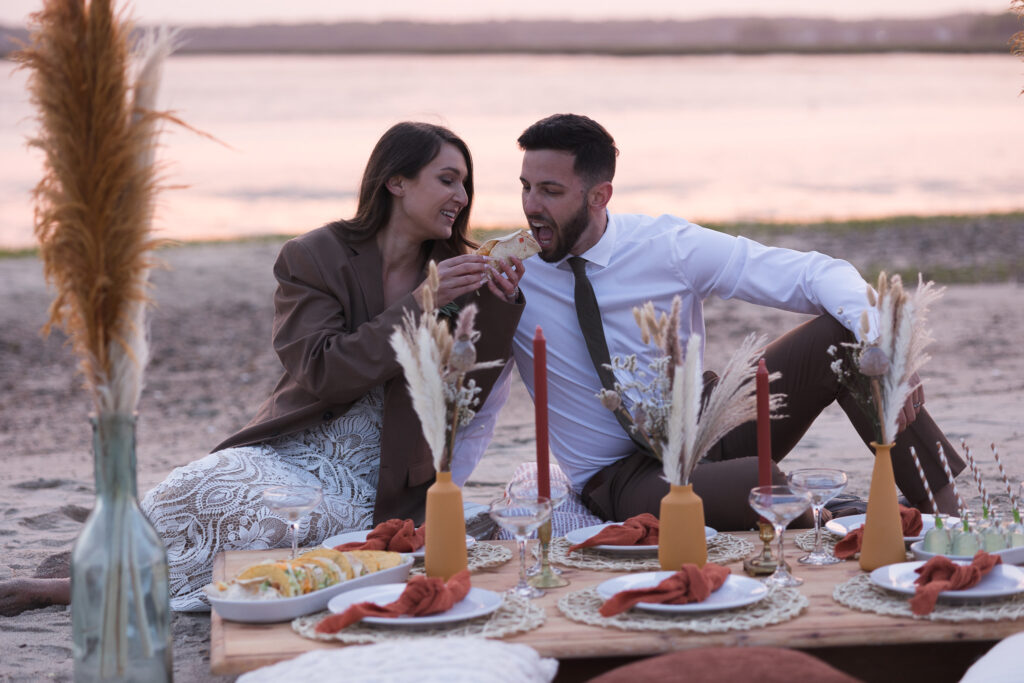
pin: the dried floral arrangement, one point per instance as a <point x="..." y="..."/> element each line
<point x="668" y="413"/>
<point x="879" y="373"/>
<point x="435" y="362"/>
<point x="93" y="214"/>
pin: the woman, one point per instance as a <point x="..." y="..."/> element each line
<point x="340" y="416"/>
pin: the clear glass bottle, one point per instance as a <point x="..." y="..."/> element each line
<point x="964" y="537"/>
<point x="937" y="540"/>
<point x="120" y="607"/>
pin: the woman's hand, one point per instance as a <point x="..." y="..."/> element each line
<point x="458" y="275"/>
<point x="506" y="287"/>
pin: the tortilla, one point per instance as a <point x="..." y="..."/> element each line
<point x="519" y="244"/>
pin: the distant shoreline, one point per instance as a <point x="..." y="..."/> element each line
<point x="951" y="34"/>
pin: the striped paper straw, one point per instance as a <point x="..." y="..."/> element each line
<point x="1006" y="479"/>
<point x="977" y="477"/>
<point x="949" y="476"/>
<point x="924" y="480"/>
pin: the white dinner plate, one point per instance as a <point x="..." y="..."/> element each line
<point x="360" y="536"/>
<point x="579" y="535"/>
<point x="1003" y="581"/>
<point x="1009" y="555"/>
<point x="844" y="525"/>
<point x="285" y="609"/>
<point x="477" y="603"/>
<point x="737" y="591"/>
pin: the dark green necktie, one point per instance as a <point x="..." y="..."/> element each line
<point x="589" y="315"/>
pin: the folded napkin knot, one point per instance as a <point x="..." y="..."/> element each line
<point x="849" y="545"/>
<point x="396" y="535"/>
<point x="422" y="596"/>
<point x="943" y="574"/>
<point x="690" y="584"/>
<point x="639" y="530"/>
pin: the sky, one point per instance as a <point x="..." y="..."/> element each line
<point x="261" y="11"/>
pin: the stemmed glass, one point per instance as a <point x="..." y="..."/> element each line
<point x="527" y="488"/>
<point x="823" y="484"/>
<point x="780" y="505"/>
<point x="521" y="517"/>
<point x="293" y="501"/>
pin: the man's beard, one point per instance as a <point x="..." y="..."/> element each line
<point x="567" y="236"/>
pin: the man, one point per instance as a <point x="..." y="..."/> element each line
<point x="568" y="166"/>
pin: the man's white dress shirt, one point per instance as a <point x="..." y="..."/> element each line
<point x="638" y="259"/>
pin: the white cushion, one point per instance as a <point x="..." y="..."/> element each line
<point x="1001" y="664"/>
<point x="424" y="660"/>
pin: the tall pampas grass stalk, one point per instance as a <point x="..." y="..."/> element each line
<point x="93" y="213"/>
<point x="903" y="335"/>
<point x="435" y="364"/>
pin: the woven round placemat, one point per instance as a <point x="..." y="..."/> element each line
<point x="481" y="556"/>
<point x="805" y="540"/>
<point x="781" y="604"/>
<point x="516" y="615"/>
<point x="861" y="594"/>
<point x="722" y="549"/>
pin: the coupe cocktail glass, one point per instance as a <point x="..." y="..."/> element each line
<point x="780" y="505"/>
<point x="823" y="484"/>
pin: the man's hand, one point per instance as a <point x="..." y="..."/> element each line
<point x="910" y="409"/>
<point x="506" y="287"/>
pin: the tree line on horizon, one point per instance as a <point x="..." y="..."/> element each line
<point x="954" y="33"/>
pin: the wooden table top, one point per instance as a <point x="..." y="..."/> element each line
<point x="236" y="648"/>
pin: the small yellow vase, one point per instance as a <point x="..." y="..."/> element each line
<point x="445" y="540"/>
<point x="883" y="529"/>
<point x="681" y="537"/>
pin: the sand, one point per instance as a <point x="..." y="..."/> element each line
<point x="212" y="365"/>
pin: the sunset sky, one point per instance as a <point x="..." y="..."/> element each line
<point x="256" y="11"/>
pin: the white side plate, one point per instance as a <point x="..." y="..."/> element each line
<point x="737" y="591"/>
<point x="844" y="525"/>
<point x="285" y="609"/>
<point x="579" y="535"/>
<point x="477" y="603"/>
<point x="1003" y="581"/>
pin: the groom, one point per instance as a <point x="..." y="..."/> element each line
<point x="625" y="260"/>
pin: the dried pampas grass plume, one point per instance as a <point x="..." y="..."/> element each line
<point x="94" y="204"/>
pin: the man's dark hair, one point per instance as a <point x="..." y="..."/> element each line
<point x="591" y="145"/>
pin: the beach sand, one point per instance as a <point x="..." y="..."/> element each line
<point x="212" y="365"/>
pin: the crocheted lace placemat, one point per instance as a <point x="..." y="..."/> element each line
<point x="861" y="594"/>
<point x="481" y="556"/>
<point x="516" y="615"/>
<point x="781" y="604"/>
<point x="805" y="540"/>
<point x="722" y="549"/>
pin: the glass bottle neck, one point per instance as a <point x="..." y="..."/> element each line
<point x="113" y="444"/>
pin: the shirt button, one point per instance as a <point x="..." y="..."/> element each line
<point x="328" y="416"/>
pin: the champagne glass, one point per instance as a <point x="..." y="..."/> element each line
<point x="823" y="484"/>
<point x="521" y="517"/>
<point x="293" y="501"/>
<point x="780" y="505"/>
<point x="527" y="488"/>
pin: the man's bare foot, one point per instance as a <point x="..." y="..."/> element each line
<point x="21" y="595"/>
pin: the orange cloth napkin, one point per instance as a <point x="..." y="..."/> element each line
<point x="422" y="596"/>
<point x="690" y="584"/>
<point x="849" y="545"/>
<point x="943" y="574"/>
<point x="396" y="535"/>
<point x="639" y="530"/>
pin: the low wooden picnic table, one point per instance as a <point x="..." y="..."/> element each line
<point x="868" y="645"/>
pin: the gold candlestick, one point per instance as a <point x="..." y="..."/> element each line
<point x="762" y="564"/>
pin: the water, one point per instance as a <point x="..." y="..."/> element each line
<point x="710" y="138"/>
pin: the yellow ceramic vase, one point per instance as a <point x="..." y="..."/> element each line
<point x="445" y="540"/>
<point x="883" y="529"/>
<point x="681" y="531"/>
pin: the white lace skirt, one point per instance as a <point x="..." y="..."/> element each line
<point x="215" y="504"/>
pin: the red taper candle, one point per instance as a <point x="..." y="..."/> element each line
<point x="540" y="409"/>
<point x="764" y="429"/>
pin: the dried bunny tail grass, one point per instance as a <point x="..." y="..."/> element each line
<point x="95" y="200"/>
<point x="418" y="355"/>
<point x="733" y="400"/>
